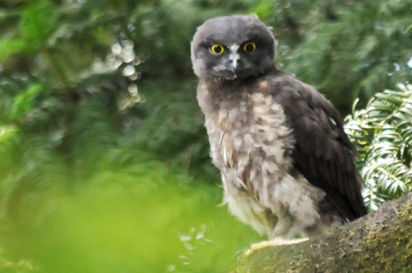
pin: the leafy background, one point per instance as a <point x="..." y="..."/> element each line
<point x="104" y="163"/>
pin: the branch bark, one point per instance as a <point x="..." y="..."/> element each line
<point x="378" y="242"/>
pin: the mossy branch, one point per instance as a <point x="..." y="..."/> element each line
<point x="378" y="242"/>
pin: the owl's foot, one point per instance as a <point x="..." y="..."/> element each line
<point x="276" y="242"/>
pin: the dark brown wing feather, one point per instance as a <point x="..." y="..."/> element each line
<point x="323" y="152"/>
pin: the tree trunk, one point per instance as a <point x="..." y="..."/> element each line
<point x="380" y="242"/>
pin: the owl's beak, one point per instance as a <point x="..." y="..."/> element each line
<point x="232" y="67"/>
<point x="233" y="63"/>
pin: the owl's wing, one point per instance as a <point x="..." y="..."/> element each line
<point x="323" y="153"/>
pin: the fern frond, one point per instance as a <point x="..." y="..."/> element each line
<point x="382" y="133"/>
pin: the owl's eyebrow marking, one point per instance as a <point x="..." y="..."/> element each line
<point x="233" y="48"/>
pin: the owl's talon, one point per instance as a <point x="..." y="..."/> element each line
<point x="273" y="243"/>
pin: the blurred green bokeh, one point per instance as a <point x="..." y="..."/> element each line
<point x="126" y="218"/>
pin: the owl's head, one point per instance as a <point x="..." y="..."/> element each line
<point x="232" y="47"/>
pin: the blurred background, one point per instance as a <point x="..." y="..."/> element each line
<point x="104" y="161"/>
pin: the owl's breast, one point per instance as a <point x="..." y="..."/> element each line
<point x="249" y="138"/>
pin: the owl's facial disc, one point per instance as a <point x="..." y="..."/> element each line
<point x="233" y="63"/>
<point x="231" y="47"/>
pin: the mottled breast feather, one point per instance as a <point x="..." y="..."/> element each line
<point x="247" y="129"/>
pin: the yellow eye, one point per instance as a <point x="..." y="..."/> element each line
<point x="249" y="47"/>
<point x="217" y="49"/>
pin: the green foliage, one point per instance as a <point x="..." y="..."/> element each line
<point x="35" y="25"/>
<point x="409" y="28"/>
<point x="125" y="212"/>
<point x="178" y="115"/>
<point x="6" y="133"/>
<point x="345" y="49"/>
<point x="382" y="133"/>
<point x="23" y="101"/>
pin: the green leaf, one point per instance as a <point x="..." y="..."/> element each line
<point x="7" y="132"/>
<point x="36" y="23"/>
<point x="10" y="46"/>
<point x="24" y="101"/>
<point x="263" y="9"/>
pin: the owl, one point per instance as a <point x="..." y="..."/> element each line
<point x="286" y="163"/>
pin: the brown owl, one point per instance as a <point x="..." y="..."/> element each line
<point x="286" y="163"/>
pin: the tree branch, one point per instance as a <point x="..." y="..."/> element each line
<point x="378" y="242"/>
